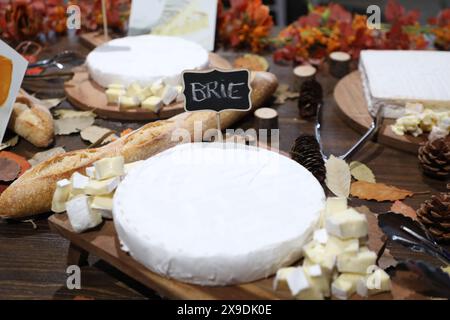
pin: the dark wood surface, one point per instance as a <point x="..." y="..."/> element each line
<point x="33" y="261"/>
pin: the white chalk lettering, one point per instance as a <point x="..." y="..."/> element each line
<point x="231" y="91"/>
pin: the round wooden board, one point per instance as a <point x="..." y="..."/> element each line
<point x="349" y="96"/>
<point x="85" y="94"/>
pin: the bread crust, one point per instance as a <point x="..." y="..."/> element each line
<point x="32" y="193"/>
<point x="34" y="123"/>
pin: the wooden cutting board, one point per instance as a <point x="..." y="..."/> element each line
<point x="85" y="94"/>
<point x="349" y="96"/>
<point x="104" y="243"/>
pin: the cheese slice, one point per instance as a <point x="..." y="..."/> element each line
<point x="197" y="212"/>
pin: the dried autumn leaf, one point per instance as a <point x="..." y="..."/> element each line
<point x="378" y="191"/>
<point x="361" y="172"/>
<point x="402" y="208"/>
<point x="21" y="161"/>
<point x="338" y="176"/>
<point x="9" y="170"/>
<point x="45" y="155"/>
<point x="283" y="93"/>
<point x="9" y="143"/>
<point x="71" y="121"/>
<point x="93" y="134"/>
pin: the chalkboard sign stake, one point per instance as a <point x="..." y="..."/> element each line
<point x="219" y="128"/>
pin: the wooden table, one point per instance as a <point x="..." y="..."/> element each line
<point x="33" y="262"/>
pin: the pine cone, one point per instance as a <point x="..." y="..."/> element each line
<point x="306" y="151"/>
<point x="434" y="157"/>
<point x="435" y="215"/>
<point x="311" y="95"/>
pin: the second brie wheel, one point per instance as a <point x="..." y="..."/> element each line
<point x="217" y="214"/>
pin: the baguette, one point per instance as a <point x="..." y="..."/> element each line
<point x="32" y="122"/>
<point x="32" y="193"/>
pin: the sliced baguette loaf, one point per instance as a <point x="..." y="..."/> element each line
<point x="32" y="193"/>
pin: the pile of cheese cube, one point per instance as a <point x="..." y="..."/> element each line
<point x="151" y="98"/>
<point x="89" y="198"/>
<point x="336" y="262"/>
<point x="418" y="120"/>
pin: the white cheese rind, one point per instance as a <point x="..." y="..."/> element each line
<point x="144" y="60"/>
<point x="213" y="214"/>
<point x="391" y="78"/>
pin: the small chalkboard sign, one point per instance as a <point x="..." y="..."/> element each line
<point x="217" y="90"/>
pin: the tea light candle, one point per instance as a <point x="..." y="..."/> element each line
<point x="339" y="63"/>
<point x="301" y="74"/>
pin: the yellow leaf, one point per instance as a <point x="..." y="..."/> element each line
<point x="338" y="176"/>
<point x="361" y="172"/>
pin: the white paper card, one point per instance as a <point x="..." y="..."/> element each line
<point x="12" y="70"/>
<point x="194" y="20"/>
<point x="144" y="15"/>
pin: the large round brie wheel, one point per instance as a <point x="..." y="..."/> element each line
<point x="144" y="60"/>
<point x="217" y="214"/>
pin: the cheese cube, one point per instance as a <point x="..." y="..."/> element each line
<point x="356" y="262"/>
<point x="345" y="285"/>
<point x="90" y="172"/>
<point x="153" y="103"/>
<point x="134" y="89"/>
<point x="321" y="236"/>
<point x="316" y="253"/>
<point x="169" y="94"/>
<point x="280" y="280"/>
<point x="301" y="287"/>
<point x="157" y="88"/>
<point x="80" y="215"/>
<point x="180" y="95"/>
<point x="79" y="182"/>
<point x="347" y="224"/>
<point x="318" y="280"/>
<point x="296" y="280"/>
<point x="335" y="205"/>
<point x="128" y="167"/>
<point x="103" y="205"/>
<point x="103" y="187"/>
<point x="126" y="102"/>
<point x="61" y="195"/>
<point x="116" y="86"/>
<point x="338" y="246"/>
<point x="109" y="167"/>
<point x="114" y="95"/>
<point x="374" y="283"/>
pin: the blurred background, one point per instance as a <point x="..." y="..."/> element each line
<point x="287" y="11"/>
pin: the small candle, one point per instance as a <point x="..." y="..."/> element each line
<point x="301" y="74"/>
<point x="339" y="63"/>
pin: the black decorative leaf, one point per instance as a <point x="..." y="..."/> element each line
<point x="392" y="223"/>
<point x="434" y="278"/>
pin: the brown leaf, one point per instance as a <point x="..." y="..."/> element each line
<point x="400" y="207"/>
<point x="21" y="161"/>
<point x="378" y="191"/>
<point x="9" y="170"/>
